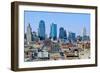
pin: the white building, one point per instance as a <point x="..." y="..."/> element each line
<point x="43" y="54"/>
<point x="29" y="34"/>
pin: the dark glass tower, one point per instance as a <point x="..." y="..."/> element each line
<point x="41" y="30"/>
<point x="53" y="31"/>
<point x="62" y="33"/>
<point x="65" y="35"/>
<point x="72" y="36"/>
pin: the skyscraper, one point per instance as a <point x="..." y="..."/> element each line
<point x="65" y="34"/>
<point x="62" y="33"/>
<point x="84" y="35"/>
<point x="53" y="31"/>
<point x="71" y="36"/>
<point x="84" y="31"/>
<point x="29" y="34"/>
<point x="41" y="30"/>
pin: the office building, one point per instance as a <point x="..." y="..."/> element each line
<point x="29" y="34"/>
<point x="53" y="31"/>
<point x="41" y="30"/>
<point x="71" y="37"/>
<point x="84" y="35"/>
<point x="62" y="33"/>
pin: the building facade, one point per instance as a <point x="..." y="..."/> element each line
<point x="29" y="34"/>
<point x="62" y="33"/>
<point x="41" y="30"/>
<point x="85" y="37"/>
<point x="71" y="37"/>
<point x="53" y="31"/>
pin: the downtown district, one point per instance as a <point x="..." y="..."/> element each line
<point x="40" y="47"/>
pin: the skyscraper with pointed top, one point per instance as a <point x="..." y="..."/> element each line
<point x="29" y="34"/>
<point x="84" y="35"/>
<point x="84" y="31"/>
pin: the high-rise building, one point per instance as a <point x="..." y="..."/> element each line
<point x="53" y="31"/>
<point x="71" y="37"/>
<point x="65" y="34"/>
<point x="34" y="36"/>
<point x="62" y="33"/>
<point x="41" y="30"/>
<point x="84" y="31"/>
<point x="29" y="34"/>
<point x="84" y="34"/>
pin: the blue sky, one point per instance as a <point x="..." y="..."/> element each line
<point x="73" y="22"/>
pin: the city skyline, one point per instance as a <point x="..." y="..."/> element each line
<point x="32" y="19"/>
<point x="53" y="39"/>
